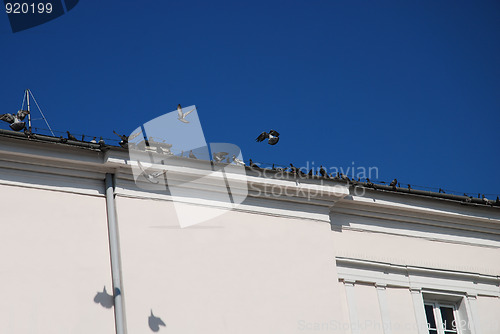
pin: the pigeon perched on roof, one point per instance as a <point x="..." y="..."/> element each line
<point x="344" y="177"/>
<point x="272" y="136"/>
<point x="322" y="171"/>
<point x="238" y="161"/>
<point x="93" y="141"/>
<point x="251" y="164"/>
<point x="101" y="142"/>
<point x="183" y="115"/>
<point x="191" y="155"/>
<point x="393" y="183"/>
<point x="15" y="120"/>
<point x="153" y="177"/>
<point x="124" y="139"/>
<point x="293" y="169"/>
<point x="369" y="183"/>
<point x="71" y="137"/>
<point x="485" y="199"/>
<point x="220" y="156"/>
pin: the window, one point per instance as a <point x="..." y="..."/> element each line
<point x="441" y="318"/>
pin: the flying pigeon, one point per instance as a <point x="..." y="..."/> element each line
<point x="220" y="156"/>
<point x="192" y="156"/>
<point x="71" y="137"/>
<point x="15" y="121"/>
<point x="273" y="137"/>
<point x="155" y="322"/>
<point x="153" y="177"/>
<point x="393" y="183"/>
<point x="182" y="116"/>
<point x="124" y="139"/>
<point x="238" y="161"/>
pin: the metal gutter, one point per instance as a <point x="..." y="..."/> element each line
<point x="464" y="200"/>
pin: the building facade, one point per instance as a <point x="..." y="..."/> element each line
<point x="80" y="235"/>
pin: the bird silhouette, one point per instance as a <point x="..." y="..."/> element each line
<point x="192" y="156"/>
<point x="393" y="183"/>
<point x="151" y="177"/>
<point x="15" y="120"/>
<point x="182" y="116"/>
<point x="272" y="136"/>
<point x="293" y="169"/>
<point x="310" y="174"/>
<point x="93" y="141"/>
<point x="104" y="298"/>
<point x="409" y="187"/>
<point x="155" y="322"/>
<point x="71" y="137"/>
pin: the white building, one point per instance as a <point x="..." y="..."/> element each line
<point x="297" y="256"/>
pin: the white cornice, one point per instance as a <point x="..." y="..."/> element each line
<point x="418" y="278"/>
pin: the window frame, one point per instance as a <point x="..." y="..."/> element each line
<point x="436" y="311"/>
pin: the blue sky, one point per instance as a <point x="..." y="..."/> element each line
<point x="410" y="88"/>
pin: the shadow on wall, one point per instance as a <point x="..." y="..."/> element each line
<point x="155" y="322"/>
<point x="104" y="298"/>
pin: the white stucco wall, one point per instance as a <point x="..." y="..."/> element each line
<point x="54" y="260"/>
<point x="488" y="310"/>
<point x="238" y="273"/>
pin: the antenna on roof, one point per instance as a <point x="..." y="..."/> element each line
<point x="27" y="94"/>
